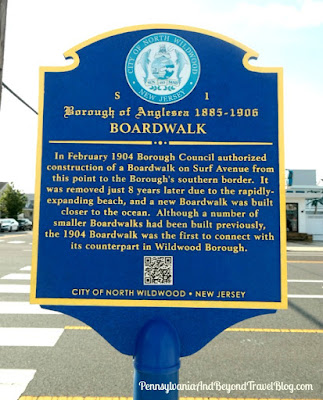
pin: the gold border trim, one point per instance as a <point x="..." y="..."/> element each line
<point x="159" y="303"/>
<point x="187" y="143"/>
<point x="141" y="142"/>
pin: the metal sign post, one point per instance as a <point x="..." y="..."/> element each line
<point x="156" y="362"/>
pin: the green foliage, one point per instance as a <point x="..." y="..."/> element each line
<point x="12" y="202"/>
<point x="315" y="202"/>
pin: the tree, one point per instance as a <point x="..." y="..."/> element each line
<point x="12" y="202"/>
<point x="315" y="202"/>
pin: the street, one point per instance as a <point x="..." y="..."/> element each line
<point x="277" y="356"/>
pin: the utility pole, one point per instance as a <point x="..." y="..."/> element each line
<point x="3" y="14"/>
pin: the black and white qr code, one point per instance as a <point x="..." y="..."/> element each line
<point x="158" y="270"/>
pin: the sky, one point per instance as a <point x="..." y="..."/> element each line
<point x="285" y="33"/>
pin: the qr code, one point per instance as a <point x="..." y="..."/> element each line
<point x="158" y="270"/>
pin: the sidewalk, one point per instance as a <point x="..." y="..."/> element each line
<point x="305" y="246"/>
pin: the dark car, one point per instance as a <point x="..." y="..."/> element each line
<point x="25" y="224"/>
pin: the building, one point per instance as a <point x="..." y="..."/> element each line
<point x="3" y="186"/>
<point x="304" y="211"/>
<point x="28" y="211"/>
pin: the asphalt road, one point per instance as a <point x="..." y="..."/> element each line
<point x="270" y="354"/>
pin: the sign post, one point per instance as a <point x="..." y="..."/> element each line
<point x="160" y="187"/>
<point x="156" y="362"/>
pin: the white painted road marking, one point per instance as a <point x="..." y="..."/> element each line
<point x="18" y="276"/>
<point x="13" y="382"/>
<point x="16" y="242"/>
<point x="305" y="296"/>
<point x="297" y="249"/>
<point x="304" y="281"/>
<point x="38" y="337"/>
<point x="26" y="268"/>
<point x="14" y="288"/>
<point x="22" y="307"/>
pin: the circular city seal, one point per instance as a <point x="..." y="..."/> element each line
<point x="162" y="68"/>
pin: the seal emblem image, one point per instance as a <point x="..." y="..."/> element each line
<point x="162" y="68"/>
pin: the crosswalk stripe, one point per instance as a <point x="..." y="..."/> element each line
<point x="13" y="382"/>
<point x="19" y="276"/>
<point x="26" y="268"/>
<point x="40" y="337"/>
<point x="296" y="249"/>
<point x="22" y="307"/>
<point x="16" y="242"/>
<point x="305" y="262"/>
<point x="4" y="288"/>
<point x="305" y="296"/>
<point x="304" y="281"/>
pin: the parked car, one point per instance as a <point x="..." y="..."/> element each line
<point x="25" y="224"/>
<point x="9" y="225"/>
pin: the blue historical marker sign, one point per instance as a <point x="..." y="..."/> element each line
<point x="160" y="178"/>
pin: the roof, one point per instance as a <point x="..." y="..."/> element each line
<point x="2" y="185"/>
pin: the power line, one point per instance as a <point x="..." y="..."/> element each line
<point x="19" y="98"/>
<point x="3" y="16"/>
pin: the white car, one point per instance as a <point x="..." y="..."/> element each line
<point x="9" y="224"/>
